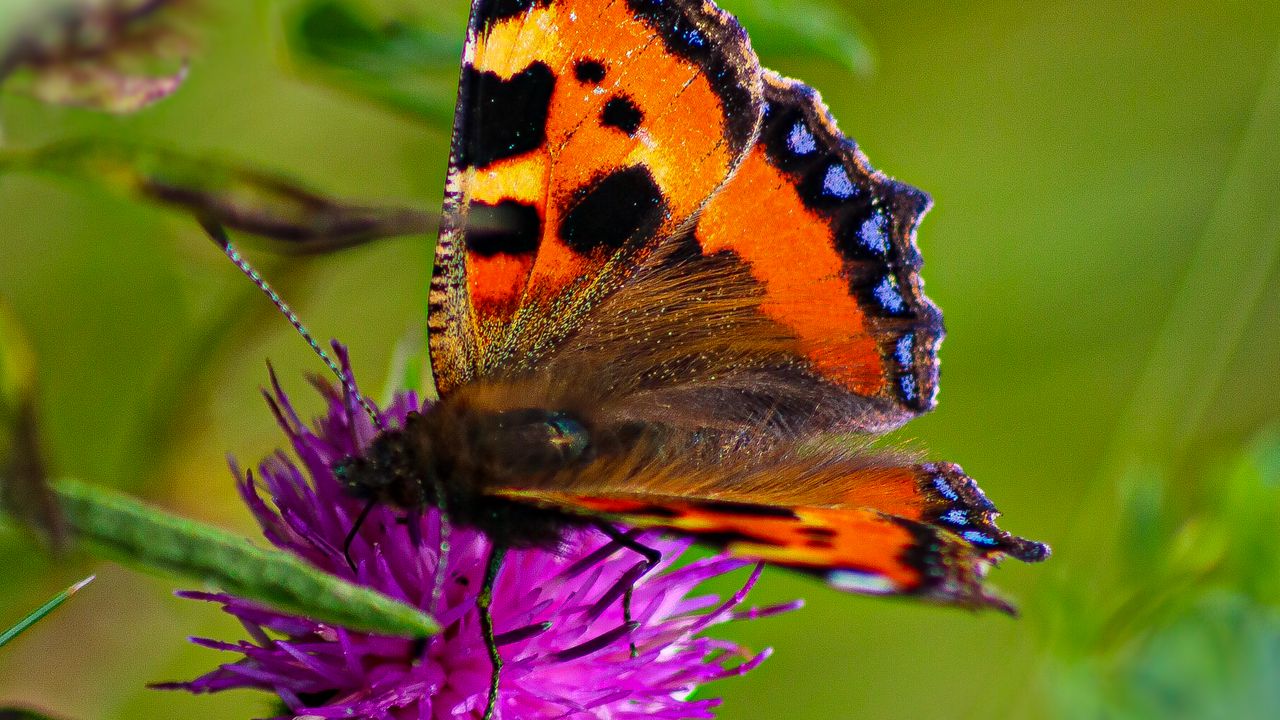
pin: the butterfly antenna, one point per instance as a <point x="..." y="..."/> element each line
<point x="219" y="235"/>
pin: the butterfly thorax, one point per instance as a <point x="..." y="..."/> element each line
<point x="453" y="458"/>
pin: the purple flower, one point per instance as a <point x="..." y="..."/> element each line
<point x="558" y="624"/>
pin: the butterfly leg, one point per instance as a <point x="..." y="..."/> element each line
<point x="651" y="559"/>
<point x="355" y="530"/>
<point x="483" y="603"/>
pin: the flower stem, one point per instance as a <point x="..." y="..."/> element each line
<point x="484" y="602"/>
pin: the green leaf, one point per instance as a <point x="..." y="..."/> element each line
<point x="806" y="29"/>
<point x="405" y="66"/>
<point x="237" y="197"/>
<point x="151" y="539"/>
<point x="41" y="612"/>
<point x="413" y="69"/>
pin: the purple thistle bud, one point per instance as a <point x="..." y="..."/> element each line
<point x="565" y="653"/>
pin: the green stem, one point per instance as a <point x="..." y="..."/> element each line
<point x="484" y="602"/>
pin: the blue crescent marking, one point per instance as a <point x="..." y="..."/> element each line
<point x="978" y="538"/>
<point x="888" y="296"/>
<point x="800" y="140"/>
<point x="903" y="350"/>
<point x="836" y="183"/>
<point x="873" y="233"/>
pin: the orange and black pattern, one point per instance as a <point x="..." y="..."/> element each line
<point x="585" y="132"/>
<point x="663" y="275"/>
<point x="924" y="530"/>
<point x="832" y="241"/>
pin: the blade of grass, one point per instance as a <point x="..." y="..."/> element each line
<point x="41" y="612"/>
<point x="23" y="487"/>
<point x="405" y="66"/>
<point x="123" y="528"/>
<point x="1231" y="263"/>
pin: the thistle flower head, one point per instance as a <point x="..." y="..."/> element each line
<point x="557" y="613"/>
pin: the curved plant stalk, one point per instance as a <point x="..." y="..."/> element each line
<point x="252" y="201"/>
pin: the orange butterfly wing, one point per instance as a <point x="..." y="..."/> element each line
<point x="589" y="134"/>
<point x="921" y="530"/>
<point x="585" y="132"/>
<point x="832" y="242"/>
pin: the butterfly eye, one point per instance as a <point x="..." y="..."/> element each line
<point x="349" y="473"/>
<point x="568" y="436"/>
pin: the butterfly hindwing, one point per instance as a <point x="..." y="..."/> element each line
<point x="855" y="549"/>
<point x="940" y="495"/>
<point x="585" y="133"/>
<point x="832" y="242"/>
<point x="924" y="530"/>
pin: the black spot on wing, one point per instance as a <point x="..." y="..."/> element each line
<point x="620" y="112"/>
<point x="712" y="40"/>
<point x="486" y="12"/>
<point x="509" y="227"/>
<point x="505" y="118"/>
<point x="589" y="71"/>
<point x="724" y="538"/>
<point x="622" y="208"/>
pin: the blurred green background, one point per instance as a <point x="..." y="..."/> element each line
<point x="1104" y="246"/>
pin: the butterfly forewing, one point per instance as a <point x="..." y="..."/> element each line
<point x="585" y="133"/>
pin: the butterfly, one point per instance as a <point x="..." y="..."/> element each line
<point x="669" y="293"/>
